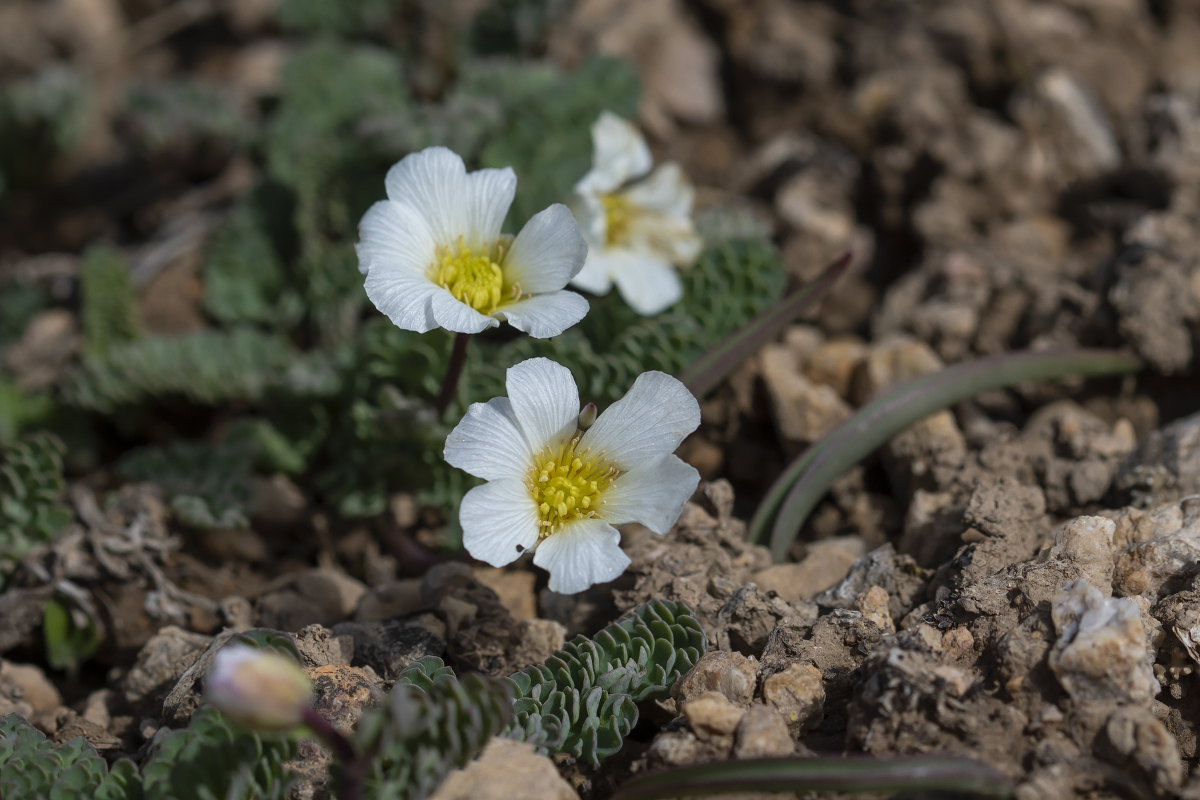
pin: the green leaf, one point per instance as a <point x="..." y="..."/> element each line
<point x="706" y="373"/>
<point x="207" y="485"/>
<point x="800" y="775"/>
<point x="798" y="490"/>
<point x="68" y="643"/>
<point x="31" y="486"/>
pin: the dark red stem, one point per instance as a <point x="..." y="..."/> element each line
<point x="458" y="357"/>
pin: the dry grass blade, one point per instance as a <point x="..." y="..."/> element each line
<point x="707" y="372"/>
<point x="797" y="491"/>
<point x="798" y="775"/>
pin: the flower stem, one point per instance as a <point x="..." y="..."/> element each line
<point x="458" y="357"/>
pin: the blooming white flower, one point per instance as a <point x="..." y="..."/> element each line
<point x="561" y="490"/>
<point x="636" y="233"/>
<point x="434" y="256"/>
<point x="263" y="691"/>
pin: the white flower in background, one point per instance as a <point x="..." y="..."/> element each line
<point x="636" y="234"/>
<point x="261" y="690"/>
<point x="561" y="490"/>
<point x="434" y="256"/>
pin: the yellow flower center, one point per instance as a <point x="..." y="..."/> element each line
<point x="473" y="278"/>
<point x="567" y="485"/>
<point x="618" y="214"/>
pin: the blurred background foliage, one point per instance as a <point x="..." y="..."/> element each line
<point x="288" y="368"/>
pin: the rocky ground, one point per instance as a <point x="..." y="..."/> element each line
<point x="1015" y="580"/>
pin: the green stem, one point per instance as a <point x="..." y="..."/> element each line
<point x="454" y="370"/>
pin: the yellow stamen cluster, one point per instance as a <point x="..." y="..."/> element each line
<point x="473" y="278"/>
<point x="618" y="215"/>
<point x="567" y="484"/>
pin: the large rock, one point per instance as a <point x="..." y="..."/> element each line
<point x="506" y="770"/>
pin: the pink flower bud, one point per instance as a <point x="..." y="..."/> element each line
<point x="261" y="690"/>
<point x="587" y="417"/>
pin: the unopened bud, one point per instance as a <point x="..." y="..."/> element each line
<point x="587" y="417"/>
<point x="261" y="690"/>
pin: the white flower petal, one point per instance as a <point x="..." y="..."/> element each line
<point x="648" y="284"/>
<point x="589" y="212"/>
<point x="488" y="442"/>
<point x="619" y="154"/>
<point x="499" y="521"/>
<point x="667" y="191"/>
<point x="650" y="421"/>
<point x="433" y="182"/>
<point x="652" y="494"/>
<point x="585" y="552"/>
<point x="547" y="253"/>
<point x="394" y="235"/>
<point x="490" y="192"/>
<point x="404" y="299"/>
<point x="545" y="315"/>
<point x="595" y="275"/>
<point x="455" y="315"/>
<point x="545" y="401"/>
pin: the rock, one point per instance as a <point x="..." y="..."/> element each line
<point x="21" y="610"/>
<point x="236" y="612"/>
<point x="804" y="411"/>
<point x="835" y="645"/>
<point x="25" y="690"/>
<point x="390" y="646"/>
<point x="898" y="575"/>
<point x="873" y="604"/>
<point x="1100" y="654"/>
<point x="1165" y="466"/>
<point x="514" y="588"/>
<point x="395" y="599"/>
<point x="728" y="673"/>
<point x="826" y="563"/>
<point x="924" y="454"/>
<point x="70" y="725"/>
<point x="44" y="351"/>
<point x="711" y="715"/>
<point x="539" y="639"/>
<point x="161" y="662"/>
<point x="317" y="596"/>
<point x="677" y="748"/>
<point x="278" y="501"/>
<point x="762" y="733"/>
<point x="678" y="64"/>
<point x="1133" y="736"/>
<point x="318" y="647"/>
<point x="702" y="561"/>
<point x="1088" y="541"/>
<point x="506" y="770"/>
<point x="1163" y="564"/>
<point x="833" y="364"/>
<point x="798" y="694"/>
<point x="480" y="634"/>
<point x="889" y="363"/>
<point x="749" y="616"/>
<point x="342" y="693"/>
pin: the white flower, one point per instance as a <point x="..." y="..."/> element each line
<point x="261" y="690"/>
<point x="434" y="256"/>
<point x="636" y="233"/>
<point x="563" y="491"/>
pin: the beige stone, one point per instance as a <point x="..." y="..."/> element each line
<point x="797" y="693"/>
<point x="730" y="673"/>
<point x="827" y="562"/>
<point x="710" y="714"/>
<point x="834" y="362"/>
<point x="762" y="733"/>
<point x="506" y="770"/>
<point x="45" y="350"/>
<point x="889" y="363"/>
<point x="394" y="599"/>
<point x="873" y="604"/>
<point x="36" y="688"/>
<point x="804" y="411"/>
<point x="515" y="588"/>
<point x="1088" y="542"/>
